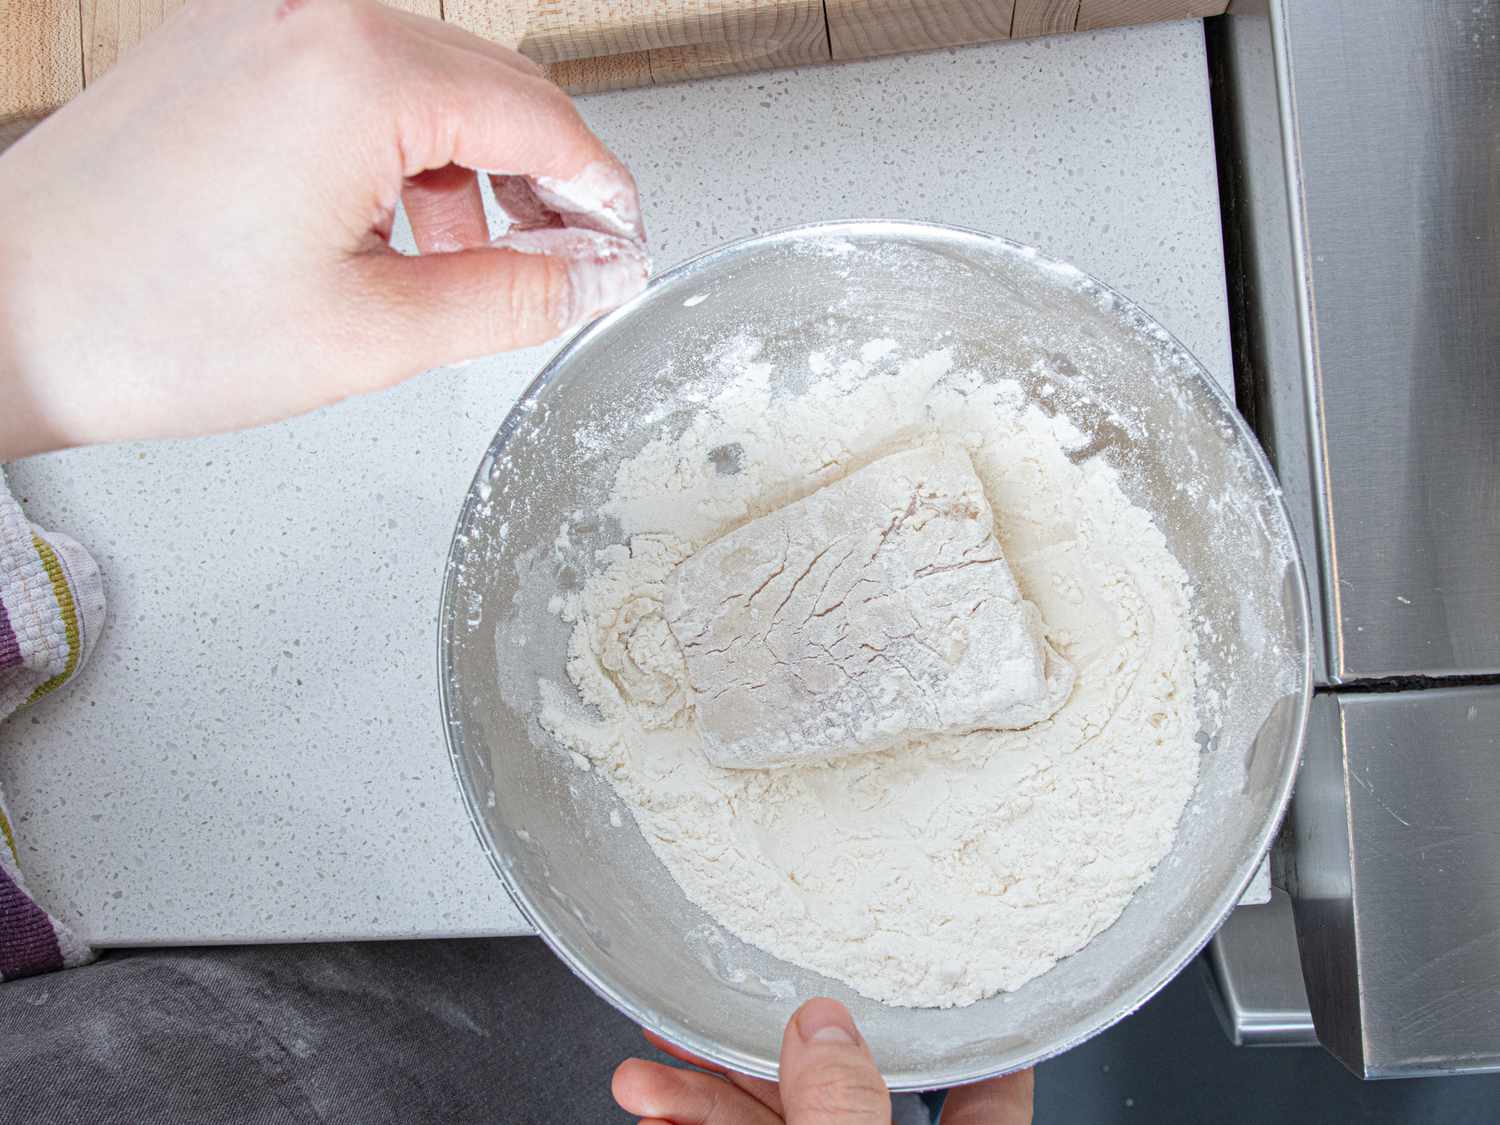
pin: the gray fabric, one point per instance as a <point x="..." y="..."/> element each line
<point x="411" y="1032"/>
<point x="365" y="1034"/>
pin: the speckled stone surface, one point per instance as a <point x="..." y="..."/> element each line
<point x="255" y="752"/>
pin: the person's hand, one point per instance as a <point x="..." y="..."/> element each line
<point x="199" y="242"/>
<point x="828" y="1077"/>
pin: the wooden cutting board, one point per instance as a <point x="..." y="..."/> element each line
<point x="52" y="49"/>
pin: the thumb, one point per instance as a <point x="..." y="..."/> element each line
<point x="828" y="1076"/>
<point x="524" y="289"/>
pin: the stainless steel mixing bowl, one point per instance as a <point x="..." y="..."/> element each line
<point x="597" y="893"/>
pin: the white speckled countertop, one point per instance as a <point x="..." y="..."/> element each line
<point x="255" y="752"/>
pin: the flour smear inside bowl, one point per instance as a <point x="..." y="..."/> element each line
<point x="951" y="864"/>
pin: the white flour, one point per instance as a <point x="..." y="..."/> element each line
<point x="953" y="868"/>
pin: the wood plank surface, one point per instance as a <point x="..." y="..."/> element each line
<point x="51" y="49"/>
<point x="511" y="22"/>
<point x="552" y="31"/>
<point x="592" y="45"/>
<point x="1118" y="13"/>
<point x="41" y="62"/>
<point x="608" y="72"/>
<point x="1043" y="17"/>
<point x="863" y="28"/>
<point x="762" y="38"/>
<point x="112" y="27"/>
<point x="678" y="64"/>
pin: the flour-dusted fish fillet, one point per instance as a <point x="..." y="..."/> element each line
<point x="877" y="609"/>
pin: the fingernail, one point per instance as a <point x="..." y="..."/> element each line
<point x="826" y="1021"/>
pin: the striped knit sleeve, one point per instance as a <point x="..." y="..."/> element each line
<point x="51" y="608"/>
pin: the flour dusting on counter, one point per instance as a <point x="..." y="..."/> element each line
<point x="956" y="866"/>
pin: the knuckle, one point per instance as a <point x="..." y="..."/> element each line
<point x="353" y="32"/>
<point x="348" y="14"/>
<point x="843" y="1093"/>
<point x="349" y="34"/>
<point x="329" y="42"/>
<point x="721" y="1107"/>
<point x="535" y="301"/>
<point x="365" y="21"/>
<point x="541" y="297"/>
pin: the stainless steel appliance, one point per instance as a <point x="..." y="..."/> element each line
<point x="1360" y="169"/>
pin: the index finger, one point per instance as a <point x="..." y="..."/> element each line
<point x="666" y="1046"/>
<point x="758" y="1088"/>
<point x="1006" y="1100"/>
<point x="462" y="107"/>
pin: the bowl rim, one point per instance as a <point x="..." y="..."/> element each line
<point x="1170" y="966"/>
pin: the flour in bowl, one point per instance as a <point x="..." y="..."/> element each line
<point x="957" y="865"/>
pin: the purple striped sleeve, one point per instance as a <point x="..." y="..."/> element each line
<point x="10" y="648"/>
<point x="28" y="944"/>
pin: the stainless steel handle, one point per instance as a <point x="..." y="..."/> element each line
<point x="1257" y="977"/>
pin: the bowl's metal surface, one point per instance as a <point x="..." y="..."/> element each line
<point x="600" y="898"/>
